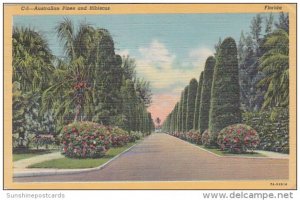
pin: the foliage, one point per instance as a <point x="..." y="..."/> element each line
<point x="179" y="114"/>
<point x="238" y="138"/>
<point x="43" y="140"/>
<point x="27" y="121"/>
<point x="225" y="96"/>
<point x="85" y="140"/>
<point x="272" y="127"/>
<point x="128" y="68"/>
<point x="206" y="93"/>
<point x="256" y="28"/>
<point x="194" y="136"/>
<point x="269" y="24"/>
<point x="129" y="102"/>
<point x="249" y="52"/>
<point x="263" y="63"/>
<point x="206" y="141"/>
<point x="134" y="135"/>
<point x="197" y="103"/>
<point x="191" y="97"/>
<point x="32" y="59"/>
<point x="275" y="65"/>
<point x="283" y="22"/>
<point x="174" y="113"/>
<point x="143" y="90"/>
<point x="184" y="108"/>
<point x="119" y="137"/>
<point x="32" y="69"/>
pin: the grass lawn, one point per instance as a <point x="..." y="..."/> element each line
<point x="224" y="153"/>
<point x="30" y="153"/>
<point x="71" y="163"/>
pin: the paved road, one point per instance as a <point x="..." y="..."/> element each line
<point x="161" y="157"/>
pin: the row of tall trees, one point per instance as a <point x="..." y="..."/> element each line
<point x="89" y="83"/>
<point x="215" y="100"/>
<point x="191" y="112"/>
<point x="250" y="76"/>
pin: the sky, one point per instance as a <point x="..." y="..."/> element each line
<point x="169" y="49"/>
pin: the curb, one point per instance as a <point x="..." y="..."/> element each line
<point x="69" y="171"/>
<point x="238" y="156"/>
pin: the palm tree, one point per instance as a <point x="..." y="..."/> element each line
<point x="157" y="121"/>
<point x="72" y="84"/>
<point x="32" y="59"/>
<point x="87" y="80"/>
<point x="275" y="65"/>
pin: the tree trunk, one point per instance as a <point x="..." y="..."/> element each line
<point x="77" y="112"/>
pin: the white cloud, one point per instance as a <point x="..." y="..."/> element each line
<point x="157" y="64"/>
<point x="199" y="55"/>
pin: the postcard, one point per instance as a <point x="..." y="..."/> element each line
<point x="149" y="96"/>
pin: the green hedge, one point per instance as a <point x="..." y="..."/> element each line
<point x="272" y="127"/>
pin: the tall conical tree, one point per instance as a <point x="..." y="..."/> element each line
<point x="192" y="93"/>
<point x="184" y="108"/>
<point x="197" y="103"/>
<point x="225" y="94"/>
<point x="175" y="117"/>
<point x="172" y="121"/>
<point x="179" y="114"/>
<point x="206" y="93"/>
<point x="128" y="104"/>
<point x="150" y="123"/>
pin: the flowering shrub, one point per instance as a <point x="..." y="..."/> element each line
<point x="119" y="137"/>
<point x="206" y="138"/>
<point x="238" y="138"/>
<point x="193" y="137"/>
<point x="85" y="140"/>
<point x="133" y="136"/>
<point x="273" y="130"/>
<point x="43" y="140"/>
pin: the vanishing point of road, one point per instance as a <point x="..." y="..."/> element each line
<point x="161" y="157"/>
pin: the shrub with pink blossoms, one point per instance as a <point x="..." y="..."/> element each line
<point x="85" y="140"/>
<point x="119" y="137"/>
<point x="206" y="138"/>
<point x="238" y="138"/>
<point x="193" y="137"/>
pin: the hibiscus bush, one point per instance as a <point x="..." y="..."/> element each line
<point x="238" y="138"/>
<point x="119" y="137"/>
<point x="193" y="136"/>
<point x="85" y="140"/>
<point x="206" y="138"/>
